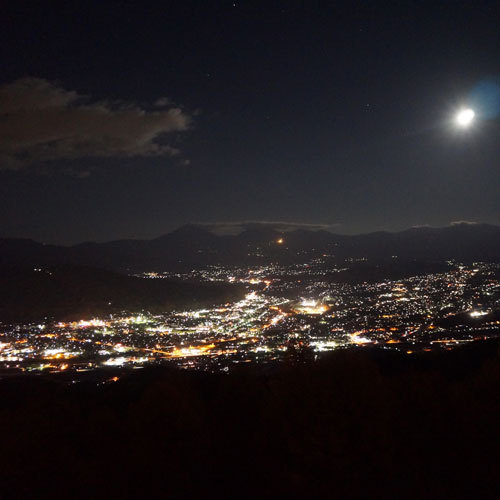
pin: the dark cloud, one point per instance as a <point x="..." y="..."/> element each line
<point x="224" y="228"/>
<point x="452" y="223"/>
<point x="162" y="102"/>
<point x="41" y="121"/>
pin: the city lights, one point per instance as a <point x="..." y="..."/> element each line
<point x="270" y="322"/>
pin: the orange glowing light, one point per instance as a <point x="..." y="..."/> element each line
<point x="192" y="351"/>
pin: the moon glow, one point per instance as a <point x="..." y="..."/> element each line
<point x="465" y="117"/>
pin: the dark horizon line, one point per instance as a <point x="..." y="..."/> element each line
<point x="250" y="225"/>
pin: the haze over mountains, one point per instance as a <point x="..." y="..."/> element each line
<point x="194" y="246"/>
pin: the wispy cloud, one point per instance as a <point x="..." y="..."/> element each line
<point x="459" y="222"/>
<point x="41" y="121"/>
<point x="225" y="228"/>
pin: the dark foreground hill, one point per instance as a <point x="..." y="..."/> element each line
<point x="73" y="292"/>
<point x="358" y="424"/>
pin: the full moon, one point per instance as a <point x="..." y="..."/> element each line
<point x="465" y="117"/>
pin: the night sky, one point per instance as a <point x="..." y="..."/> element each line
<point x="123" y="120"/>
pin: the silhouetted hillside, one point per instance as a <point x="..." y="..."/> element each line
<point x="70" y="292"/>
<point x="357" y="424"/>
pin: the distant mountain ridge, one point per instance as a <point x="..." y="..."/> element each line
<point x="195" y="246"/>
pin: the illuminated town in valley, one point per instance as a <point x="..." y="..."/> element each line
<point x="250" y="249"/>
<point x="288" y="312"/>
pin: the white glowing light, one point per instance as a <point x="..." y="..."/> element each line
<point x="251" y="296"/>
<point x="120" y="348"/>
<point x="115" y="361"/>
<point x="477" y="314"/>
<point x="465" y="117"/>
<point x="52" y="352"/>
<point x="309" y="303"/>
<point x="359" y="340"/>
<point x="324" y="345"/>
<point x="310" y="306"/>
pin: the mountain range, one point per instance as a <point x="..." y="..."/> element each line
<point x="193" y="246"/>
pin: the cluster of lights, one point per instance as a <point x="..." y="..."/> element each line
<point x="312" y="307"/>
<point x="267" y="323"/>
